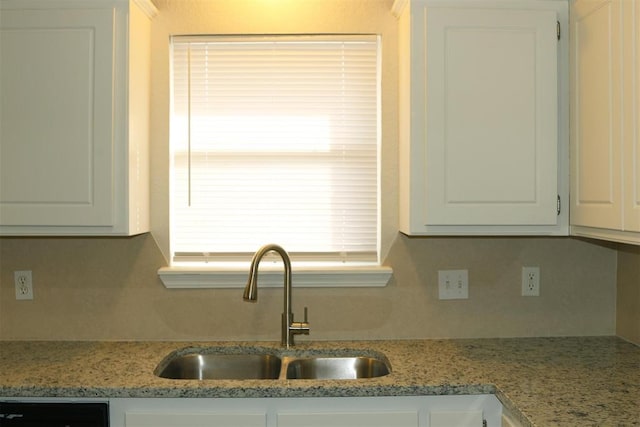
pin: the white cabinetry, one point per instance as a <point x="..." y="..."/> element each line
<point x="369" y="418"/>
<point x="74" y="77"/>
<point x="405" y="411"/>
<point x="605" y="95"/>
<point x="483" y="114"/>
<point x="182" y="419"/>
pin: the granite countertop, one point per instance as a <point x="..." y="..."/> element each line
<point x="541" y="381"/>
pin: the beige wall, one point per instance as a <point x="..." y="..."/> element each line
<point x="628" y="295"/>
<point x="101" y="288"/>
<point x="107" y="289"/>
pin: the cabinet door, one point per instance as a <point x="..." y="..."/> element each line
<point x="56" y="132"/>
<point x="631" y="106"/>
<point x="455" y="418"/>
<point x="176" y="419"/>
<point x="350" y="419"/>
<point x="491" y="116"/>
<point x="596" y="114"/>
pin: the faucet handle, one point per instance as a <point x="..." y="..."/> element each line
<point x="299" y="328"/>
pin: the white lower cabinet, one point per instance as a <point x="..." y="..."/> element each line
<point x="172" y="419"/>
<point x="404" y="411"/>
<point x="345" y="419"/>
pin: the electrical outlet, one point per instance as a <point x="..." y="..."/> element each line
<point x="24" y="284"/>
<point x="530" y="281"/>
<point x="453" y="284"/>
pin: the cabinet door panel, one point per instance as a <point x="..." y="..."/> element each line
<point x="631" y="156"/>
<point x="55" y="119"/>
<point x="492" y="117"/>
<point x="455" y="418"/>
<point x="350" y="419"/>
<point x="135" y="419"/>
<point x="596" y="115"/>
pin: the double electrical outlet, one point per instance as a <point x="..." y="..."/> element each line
<point x="530" y="281"/>
<point x="24" y="284"/>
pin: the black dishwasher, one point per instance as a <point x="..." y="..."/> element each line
<point x="54" y="414"/>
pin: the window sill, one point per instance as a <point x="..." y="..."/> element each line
<point x="318" y="277"/>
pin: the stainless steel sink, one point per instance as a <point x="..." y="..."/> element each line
<point x="240" y="364"/>
<point x="340" y="368"/>
<point x="198" y="366"/>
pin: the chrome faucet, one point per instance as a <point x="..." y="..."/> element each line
<point x="289" y="327"/>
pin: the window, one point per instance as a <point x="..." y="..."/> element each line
<point x="275" y="140"/>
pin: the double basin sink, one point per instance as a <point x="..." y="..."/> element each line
<point x="235" y="364"/>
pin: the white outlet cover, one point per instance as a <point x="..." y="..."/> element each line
<point x="453" y="284"/>
<point x="24" y="284"/>
<point x="530" y="281"/>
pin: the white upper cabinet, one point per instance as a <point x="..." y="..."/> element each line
<point x="74" y="78"/>
<point x="605" y="92"/>
<point x="484" y="135"/>
<point x="631" y="109"/>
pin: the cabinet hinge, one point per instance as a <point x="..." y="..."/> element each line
<point x="558" y="29"/>
<point x="558" y="205"/>
<point x="484" y="423"/>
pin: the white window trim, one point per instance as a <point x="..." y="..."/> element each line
<point x="307" y="277"/>
<point x="209" y="276"/>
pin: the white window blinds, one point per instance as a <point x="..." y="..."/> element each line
<point x="275" y="140"/>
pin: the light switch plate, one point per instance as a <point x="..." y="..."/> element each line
<point x="453" y="284"/>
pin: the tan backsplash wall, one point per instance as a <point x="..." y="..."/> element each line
<point x="101" y="288"/>
<point x="107" y="289"/>
<point x="628" y="296"/>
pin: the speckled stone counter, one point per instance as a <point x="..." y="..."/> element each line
<point x="580" y="381"/>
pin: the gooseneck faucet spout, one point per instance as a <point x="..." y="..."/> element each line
<point x="289" y="327"/>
